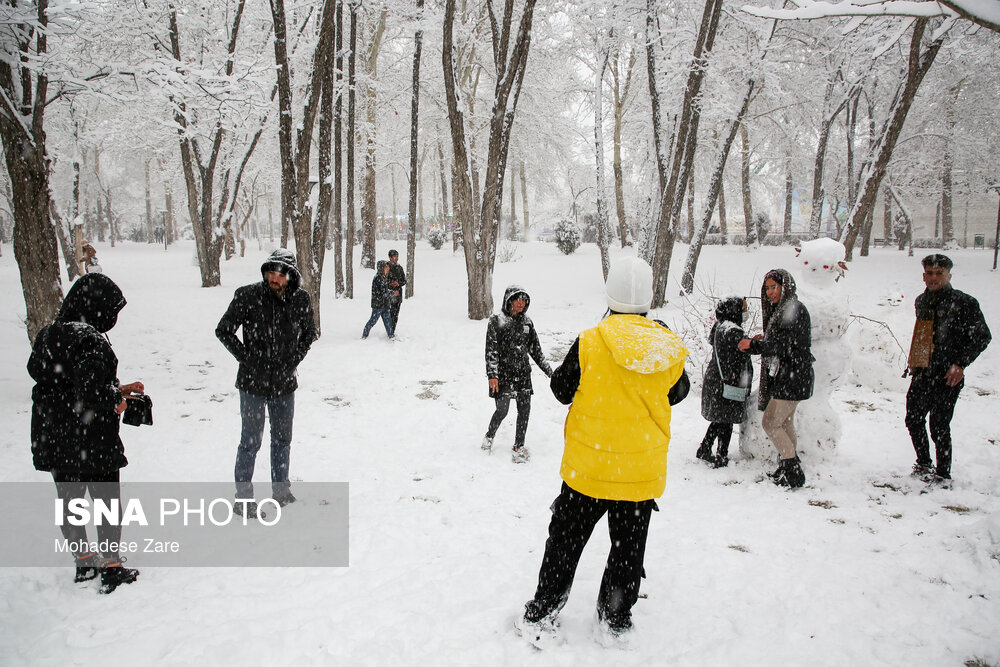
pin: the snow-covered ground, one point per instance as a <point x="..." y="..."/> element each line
<point x="862" y="566"/>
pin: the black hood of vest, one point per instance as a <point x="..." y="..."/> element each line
<point x="283" y="260"/>
<point x="93" y="299"/>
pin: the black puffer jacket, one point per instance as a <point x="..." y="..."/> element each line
<point x="960" y="331"/>
<point x="277" y="330"/>
<point x="381" y="291"/>
<point x="786" y="370"/>
<point x="74" y="426"/>
<point x="510" y="340"/>
<point x="737" y="370"/>
<point x="397" y="275"/>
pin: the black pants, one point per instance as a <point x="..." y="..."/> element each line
<point x="574" y="516"/>
<point x="394" y="312"/>
<point x="523" y="412"/>
<point x="721" y="431"/>
<point x="103" y="486"/>
<point x="931" y="395"/>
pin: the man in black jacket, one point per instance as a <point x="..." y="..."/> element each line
<point x="278" y="329"/>
<point x="950" y="333"/>
<point x="397" y="279"/>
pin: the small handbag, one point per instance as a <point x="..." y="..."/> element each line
<point x="730" y="392"/>
<point x="138" y="410"/>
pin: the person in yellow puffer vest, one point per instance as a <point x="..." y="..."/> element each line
<point x="620" y="379"/>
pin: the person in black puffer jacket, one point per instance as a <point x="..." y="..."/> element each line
<point x="786" y="370"/>
<point x="75" y="408"/>
<point x="382" y="295"/>
<point x="278" y="330"/>
<point x="736" y="370"/>
<point x="510" y="341"/>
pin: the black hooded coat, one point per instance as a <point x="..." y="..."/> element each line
<point x="277" y="330"/>
<point x="382" y="292"/>
<point x="787" y="368"/>
<point x="737" y="369"/>
<point x="510" y="341"/>
<point x="74" y="426"/>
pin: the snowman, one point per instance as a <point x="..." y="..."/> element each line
<point x="818" y="268"/>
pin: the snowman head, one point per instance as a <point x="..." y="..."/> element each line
<point x="822" y="260"/>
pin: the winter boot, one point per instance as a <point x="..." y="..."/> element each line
<point x="705" y="452"/>
<point x="720" y="461"/>
<point x="114" y="574"/>
<point x="245" y="508"/>
<point x="520" y="455"/>
<point x="923" y="471"/>
<point x="539" y="628"/>
<point x="285" y="498"/>
<point x="487" y="445"/>
<point x="790" y="474"/>
<point x="86" y="568"/>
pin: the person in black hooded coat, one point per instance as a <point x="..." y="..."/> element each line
<point x="277" y="320"/>
<point x="511" y="340"/>
<point x="76" y="403"/>
<point x="736" y="370"/>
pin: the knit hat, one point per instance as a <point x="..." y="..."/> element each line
<point x="629" y="286"/>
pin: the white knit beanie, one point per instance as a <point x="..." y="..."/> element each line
<point x="629" y="286"/>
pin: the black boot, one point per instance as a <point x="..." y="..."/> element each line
<point x="113" y="576"/>
<point x="790" y="474"/>
<point x="705" y="452"/>
<point x="86" y="568"/>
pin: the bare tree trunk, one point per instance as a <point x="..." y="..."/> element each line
<point x="920" y="60"/>
<point x="685" y="141"/>
<point x="479" y="229"/>
<point x="886" y="215"/>
<point x="947" y="160"/>
<point x="714" y="188"/>
<point x="690" y="211"/>
<point x="65" y="244"/>
<point x="411" y="232"/>
<point x="369" y="208"/>
<point x="351" y="136"/>
<point x="723" y="227"/>
<point x="787" y="227"/>
<point x="818" y="195"/>
<point x="621" y="97"/>
<point x="513" y="206"/>
<point x="524" y="200"/>
<point x="751" y="232"/>
<point x="603" y="230"/>
<point x="149" y="205"/>
<point x="338" y="150"/>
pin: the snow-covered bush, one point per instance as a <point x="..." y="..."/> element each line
<point x="567" y="237"/>
<point x="436" y="237"/>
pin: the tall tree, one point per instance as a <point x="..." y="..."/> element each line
<point x="23" y="99"/>
<point x="481" y="224"/>
<point x="411" y="231"/>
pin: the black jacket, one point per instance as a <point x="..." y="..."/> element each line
<point x="960" y="331"/>
<point x="381" y="292"/>
<point x="397" y="275"/>
<point x="510" y="340"/>
<point x="737" y="370"/>
<point x="566" y="379"/>
<point x="277" y="331"/>
<point x="74" y="426"/>
<point x="786" y="370"/>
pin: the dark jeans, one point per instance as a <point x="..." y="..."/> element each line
<point x="574" y="516"/>
<point x="386" y="320"/>
<point x="394" y="312"/>
<point x="931" y="395"/>
<point x="523" y="412"/>
<point x="104" y="486"/>
<point x="721" y="431"/>
<point x="281" y="411"/>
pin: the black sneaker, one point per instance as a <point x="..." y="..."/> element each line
<point x="284" y="499"/>
<point x="113" y="576"/>
<point x="85" y="573"/>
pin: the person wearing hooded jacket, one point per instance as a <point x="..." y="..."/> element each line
<point x="620" y="380"/>
<point x="787" y="375"/>
<point x="278" y="329"/>
<point x="727" y="366"/>
<point x="76" y="404"/>
<point x="382" y="295"/>
<point x="510" y="340"/>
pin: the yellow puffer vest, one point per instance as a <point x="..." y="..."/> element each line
<point x="618" y="427"/>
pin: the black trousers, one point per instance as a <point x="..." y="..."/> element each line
<point x="721" y="431"/>
<point x="931" y="395"/>
<point x="574" y="516"/>
<point x="105" y="486"/>
<point x="394" y="312"/>
<point x="523" y="412"/>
